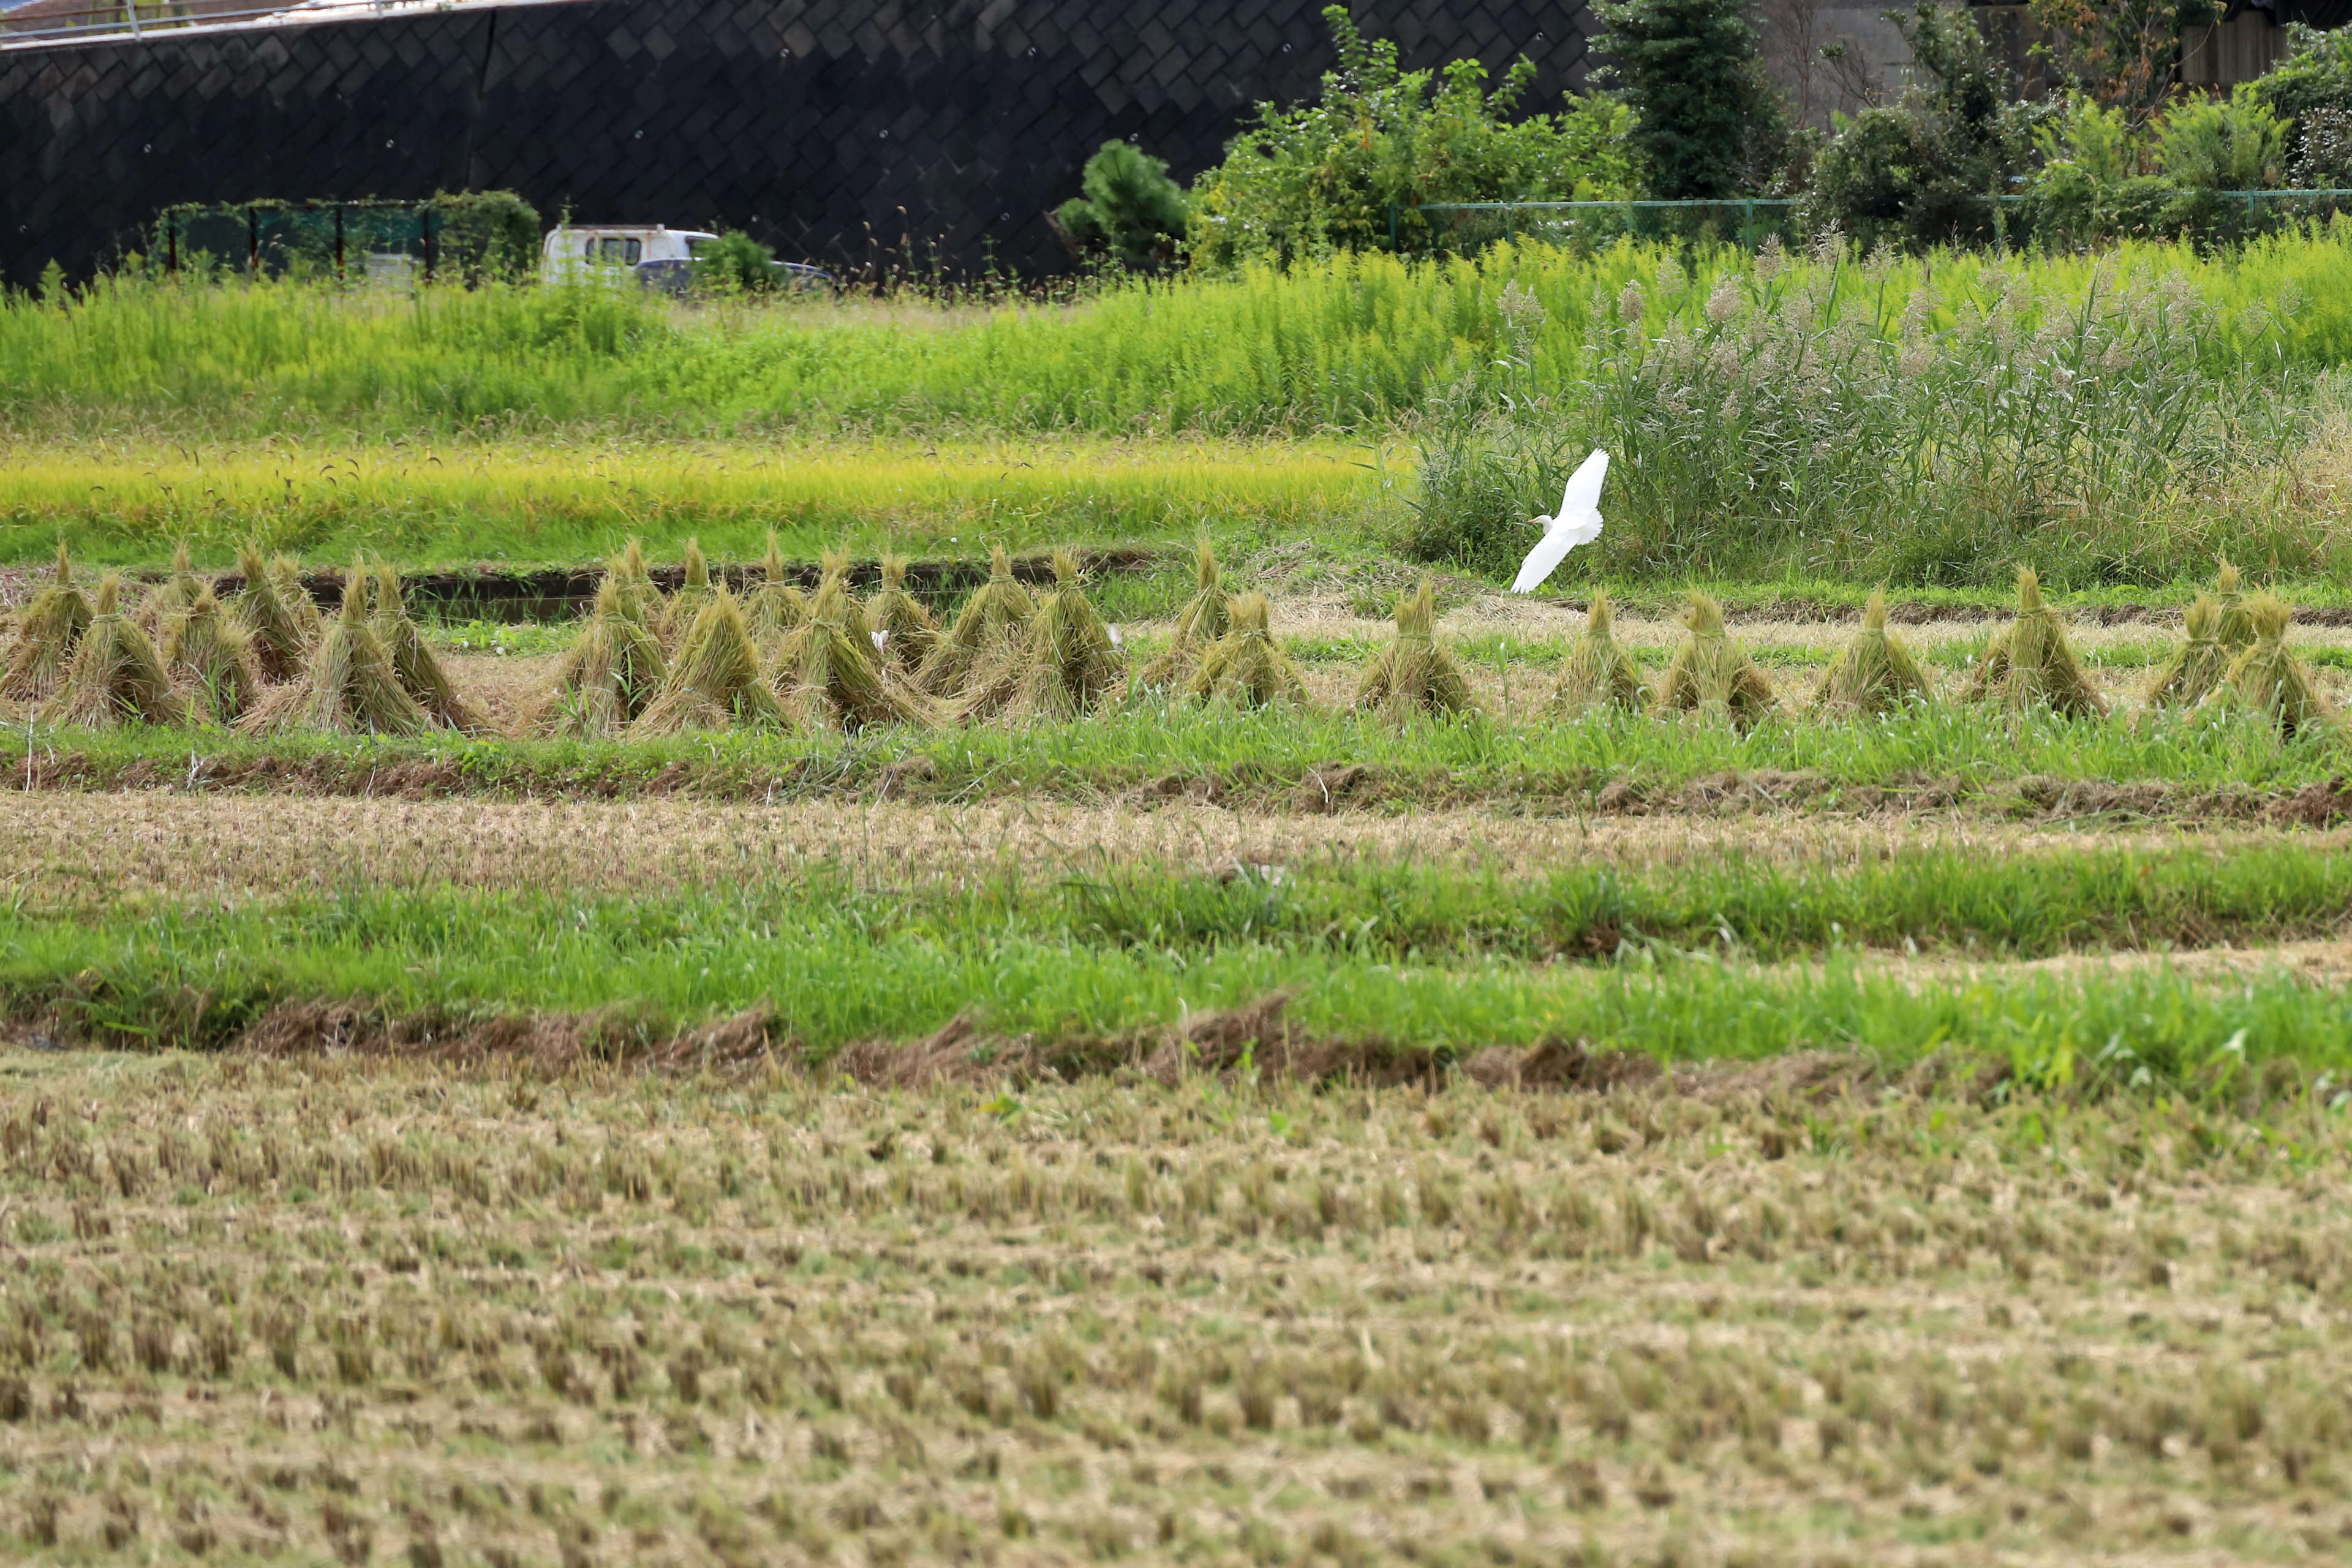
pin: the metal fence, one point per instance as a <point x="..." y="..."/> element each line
<point x="1747" y="221"/>
<point x="139" y="18"/>
<point x="376" y="241"/>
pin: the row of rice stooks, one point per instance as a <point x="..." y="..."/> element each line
<point x="702" y="658"/>
<point x="2235" y="656"/>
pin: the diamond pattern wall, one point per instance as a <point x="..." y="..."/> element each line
<point x="859" y="134"/>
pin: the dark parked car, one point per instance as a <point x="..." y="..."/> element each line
<point x="674" y="276"/>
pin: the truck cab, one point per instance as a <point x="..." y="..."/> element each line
<point x="577" y="250"/>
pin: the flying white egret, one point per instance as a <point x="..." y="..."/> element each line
<point x="1578" y="522"/>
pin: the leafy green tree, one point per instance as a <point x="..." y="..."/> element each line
<point x="2312" y="89"/>
<point x="1323" y="176"/>
<point x="487" y="235"/>
<point x="2121" y="53"/>
<point x="1131" y="208"/>
<point x="734" y="263"/>
<point x="1706" y="123"/>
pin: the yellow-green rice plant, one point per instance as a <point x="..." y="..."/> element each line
<point x="1245" y="667"/>
<point x="1412" y="674"/>
<point x="641" y="601"/>
<point x="2029" y="664"/>
<point x="987" y="631"/>
<point x="2269" y="679"/>
<point x="348" y="687"/>
<point x="172" y="598"/>
<point x="47" y="633"/>
<point x="1205" y="618"/>
<point x="115" y="677"/>
<point x="412" y="660"/>
<point x="611" y="674"/>
<point x="2236" y="628"/>
<point x="908" y="629"/>
<point x="1710" y="674"/>
<point x="829" y="675"/>
<point x="211" y="652"/>
<point x="777" y="606"/>
<point x="1598" y="673"/>
<point x="2199" y="665"/>
<point x="715" y="682"/>
<point x="680" y="613"/>
<point x="1872" y="673"/>
<point x="1064" y="664"/>
<point x="285" y="627"/>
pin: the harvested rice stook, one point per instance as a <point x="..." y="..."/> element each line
<point x="610" y="675"/>
<point x="1245" y="667"/>
<point x="348" y="685"/>
<point x="1598" y="673"/>
<point x="641" y="601"/>
<point x="1873" y="673"/>
<point x="2268" y="678"/>
<point x="909" y="631"/>
<point x="986" y="631"/>
<point x="1412" y="674"/>
<point x="205" y="648"/>
<point x="1709" y="673"/>
<point x="829" y="675"/>
<point x="714" y="683"/>
<point x="172" y="598"/>
<point x="1064" y="664"/>
<point x="1204" y="618"/>
<point x="285" y="627"/>
<point x="679" y="615"/>
<point x="420" y="670"/>
<point x="2199" y="665"/>
<point x="46" y="633"/>
<point x="2234" y="630"/>
<point x="115" y="677"/>
<point x="777" y="607"/>
<point x="2029" y="664"/>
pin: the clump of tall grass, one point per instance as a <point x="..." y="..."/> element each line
<point x="285" y="623"/>
<point x="610" y="675"/>
<point x="1245" y="667"/>
<point x="1412" y="674"/>
<point x="1199" y="622"/>
<point x="2197" y="667"/>
<point x="2269" y="679"/>
<point x="348" y="685"/>
<point x="115" y="677"/>
<point x="1064" y="665"/>
<point x="986" y="632"/>
<point x="420" y="669"/>
<point x="46" y="633"/>
<point x="2030" y="664"/>
<point x="906" y="627"/>
<point x="828" y="672"/>
<point x="1873" y="673"/>
<point x="1598" y="673"/>
<point x="715" y="681"/>
<point x="211" y="652"/>
<point x="1711" y="675"/>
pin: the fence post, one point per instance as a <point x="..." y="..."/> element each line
<point x="339" y="242"/>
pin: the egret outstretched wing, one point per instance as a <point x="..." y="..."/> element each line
<point x="1557" y="540"/>
<point x="1584" y="486"/>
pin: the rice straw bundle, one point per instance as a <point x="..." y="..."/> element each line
<point x="172" y="598"/>
<point x="2235" y="629"/>
<point x="2268" y="678"/>
<point x="420" y="672"/>
<point x="1872" y="673"/>
<point x="639" y="599"/>
<point x="1244" y="667"/>
<point x="2199" y="665"/>
<point x="829" y="673"/>
<point x="1412" y="674"/>
<point x="1204" y="618"/>
<point x="609" y="676"/>
<point x="47" y="633"/>
<point x="115" y="677"/>
<point x="285" y="628"/>
<point x="1598" y="673"/>
<point x="909" y="630"/>
<point x="2028" y="663"/>
<point x="348" y="685"/>
<point x="1711" y="674"/>
<point x="1064" y="664"/>
<point x="714" y="682"/>
<point x="777" y="607"/>
<point x="680" y="613"/>
<point x="987" y="630"/>
<point x="211" y="652"/>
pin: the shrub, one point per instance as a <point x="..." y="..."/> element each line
<point x="2316" y="74"/>
<point x="1131" y="209"/>
<point x="487" y="236"/>
<point x="1321" y="177"/>
<point x="1705" y="122"/>
<point x="734" y="263"/>
<point x="2215" y="144"/>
